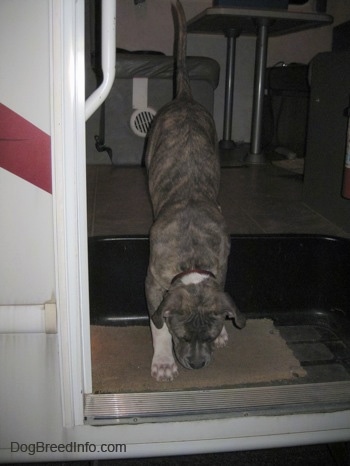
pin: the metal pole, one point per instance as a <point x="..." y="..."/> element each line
<point x="226" y="142"/>
<point x="255" y="155"/>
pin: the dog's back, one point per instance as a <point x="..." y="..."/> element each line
<point x="188" y="237"/>
<point x="181" y="157"/>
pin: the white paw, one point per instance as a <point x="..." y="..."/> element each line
<point x="164" y="368"/>
<point x="222" y="339"/>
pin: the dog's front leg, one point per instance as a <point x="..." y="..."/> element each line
<point x="222" y="339"/>
<point x="163" y="367"/>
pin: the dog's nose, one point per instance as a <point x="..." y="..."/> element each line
<point x="197" y="365"/>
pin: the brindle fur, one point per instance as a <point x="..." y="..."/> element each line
<point x="189" y="231"/>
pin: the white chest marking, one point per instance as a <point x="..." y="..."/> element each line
<point x="193" y="278"/>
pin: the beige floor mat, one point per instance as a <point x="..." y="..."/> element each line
<point x="121" y="360"/>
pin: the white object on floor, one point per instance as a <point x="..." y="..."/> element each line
<point x="296" y="165"/>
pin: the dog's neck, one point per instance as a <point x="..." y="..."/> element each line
<point x="192" y="276"/>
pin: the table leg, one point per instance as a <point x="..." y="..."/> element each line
<point x="229" y="156"/>
<point x="226" y="142"/>
<point x="255" y="155"/>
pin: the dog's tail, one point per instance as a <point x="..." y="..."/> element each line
<point x="183" y="87"/>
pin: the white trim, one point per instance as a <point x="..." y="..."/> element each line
<point x="139" y="93"/>
<point x="39" y="318"/>
<point x="69" y="199"/>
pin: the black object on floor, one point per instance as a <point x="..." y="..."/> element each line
<point x="266" y="273"/>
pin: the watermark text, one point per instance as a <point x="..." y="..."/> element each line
<point x="70" y="447"/>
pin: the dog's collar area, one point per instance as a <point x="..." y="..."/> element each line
<point x="192" y="276"/>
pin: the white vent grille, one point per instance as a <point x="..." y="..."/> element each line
<point x="141" y="120"/>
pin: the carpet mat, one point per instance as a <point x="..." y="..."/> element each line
<point x="121" y="360"/>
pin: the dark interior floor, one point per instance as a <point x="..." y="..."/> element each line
<point x="264" y="199"/>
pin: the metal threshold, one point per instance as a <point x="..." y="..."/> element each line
<point x="205" y="404"/>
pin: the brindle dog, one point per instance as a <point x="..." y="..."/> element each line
<point x="189" y="243"/>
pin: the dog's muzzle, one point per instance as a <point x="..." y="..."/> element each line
<point x="194" y="355"/>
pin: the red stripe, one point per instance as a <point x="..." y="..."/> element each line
<point x="25" y="150"/>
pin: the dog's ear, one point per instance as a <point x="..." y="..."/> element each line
<point x="171" y="302"/>
<point x="229" y="307"/>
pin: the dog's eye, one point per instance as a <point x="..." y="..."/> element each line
<point x="207" y="339"/>
<point x="213" y="334"/>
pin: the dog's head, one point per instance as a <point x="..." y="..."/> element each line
<point x="195" y="316"/>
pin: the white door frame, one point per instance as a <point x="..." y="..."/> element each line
<point x="69" y="203"/>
